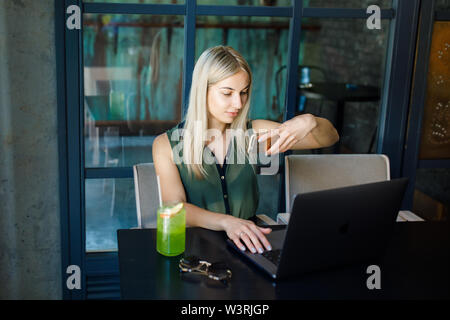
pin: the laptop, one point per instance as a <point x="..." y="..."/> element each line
<point x="332" y="228"/>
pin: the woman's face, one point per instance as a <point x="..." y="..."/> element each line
<point x="226" y="98"/>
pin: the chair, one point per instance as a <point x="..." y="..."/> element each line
<point x="146" y="191"/>
<point x="308" y="173"/>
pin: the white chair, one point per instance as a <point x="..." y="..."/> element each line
<point x="308" y="173"/>
<point x="146" y="191"/>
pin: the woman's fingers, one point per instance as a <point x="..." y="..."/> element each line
<point x="276" y="146"/>
<point x="256" y="239"/>
<point x="293" y="142"/>
<point x="263" y="137"/>
<point x="284" y="143"/>
<point x="262" y="237"/>
<point x="238" y="243"/>
<point x="248" y="242"/>
<point x="258" y="246"/>
<point x="271" y="134"/>
<point x="288" y="143"/>
<point x="265" y="230"/>
<point x="249" y="235"/>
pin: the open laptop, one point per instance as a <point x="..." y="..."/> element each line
<point x="333" y="228"/>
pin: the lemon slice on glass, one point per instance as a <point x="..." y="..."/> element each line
<point x="170" y="211"/>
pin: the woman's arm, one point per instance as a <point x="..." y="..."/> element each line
<point x="237" y="229"/>
<point x="301" y="132"/>
<point x="172" y="190"/>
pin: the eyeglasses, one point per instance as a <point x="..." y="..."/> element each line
<point x="217" y="271"/>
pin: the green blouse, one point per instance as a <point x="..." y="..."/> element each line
<point x="231" y="189"/>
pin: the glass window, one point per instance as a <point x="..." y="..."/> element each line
<point x="263" y="42"/>
<point x="132" y="85"/>
<point x="283" y="3"/>
<point x="110" y="205"/>
<point x="435" y="140"/>
<point x="431" y="196"/>
<point x="341" y="73"/>
<point x="356" y="4"/>
<point x="442" y="4"/>
<point x="139" y="1"/>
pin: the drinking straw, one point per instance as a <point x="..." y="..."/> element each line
<point x="159" y="191"/>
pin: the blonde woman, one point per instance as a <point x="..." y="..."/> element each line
<point x="223" y="194"/>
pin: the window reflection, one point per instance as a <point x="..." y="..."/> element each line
<point x="132" y="85"/>
<point x="350" y="4"/>
<point x="442" y="4"/>
<point x="110" y="205"/>
<point x="435" y="139"/>
<point x="346" y="63"/>
<point x="284" y="3"/>
<point x="431" y="196"/>
<point x="139" y="1"/>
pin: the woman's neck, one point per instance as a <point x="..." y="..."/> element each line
<point x="214" y="124"/>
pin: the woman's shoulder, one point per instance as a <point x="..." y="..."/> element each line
<point x="161" y="143"/>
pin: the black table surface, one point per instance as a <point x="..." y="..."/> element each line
<point x="416" y="266"/>
<point x="336" y="91"/>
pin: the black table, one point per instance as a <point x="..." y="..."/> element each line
<point x="416" y="265"/>
<point x="340" y="93"/>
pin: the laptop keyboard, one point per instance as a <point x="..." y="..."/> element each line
<point x="273" y="256"/>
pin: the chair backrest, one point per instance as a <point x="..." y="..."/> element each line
<point x="308" y="173"/>
<point x="147" y="198"/>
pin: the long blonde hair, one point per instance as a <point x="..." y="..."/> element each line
<point x="215" y="64"/>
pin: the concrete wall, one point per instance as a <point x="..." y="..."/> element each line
<point x="30" y="259"/>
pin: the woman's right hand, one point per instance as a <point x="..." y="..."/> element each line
<point x="246" y="231"/>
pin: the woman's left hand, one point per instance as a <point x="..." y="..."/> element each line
<point x="289" y="133"/>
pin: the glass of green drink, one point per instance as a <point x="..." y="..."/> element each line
<point x="171" y="229"/>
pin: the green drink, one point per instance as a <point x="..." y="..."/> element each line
<point x="171" y="229"/>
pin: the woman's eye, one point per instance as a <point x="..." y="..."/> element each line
<point x="229" y="93"/>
